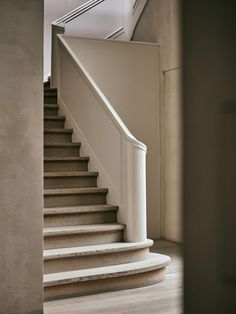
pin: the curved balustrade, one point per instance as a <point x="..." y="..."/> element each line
<point x="120" y="156"/>
<point x="114" y="151"/>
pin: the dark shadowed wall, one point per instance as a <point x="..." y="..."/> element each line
<point x="209" y="156"/>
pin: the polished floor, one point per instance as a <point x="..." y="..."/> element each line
<point x="162" y="298"/>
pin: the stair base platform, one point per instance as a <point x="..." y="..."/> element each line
<point x="102" y="279"/>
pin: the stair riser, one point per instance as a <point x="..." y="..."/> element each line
<point x="54" y="123"/>
<point x="50" y="111"/>
<point x="70" y="182"/>
<point x="66" y="165"/>
<point x="73" y="200"/>
<point x="82" y="239"/>
<point x="50" y="98"/>
<point x="103" y="285"/>
<point x="79" y="219"/>
<point x="61" y="151"/>
<point x="48" y="89"/>
<point x="90" y="261"/>
<point x="57" y="137"/>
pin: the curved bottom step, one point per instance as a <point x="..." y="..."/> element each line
<point x="102" y="279"/>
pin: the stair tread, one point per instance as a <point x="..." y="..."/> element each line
<point x="51" y="106"/>
<point x="65" y="144"/>
<point x="57" y="130"/>
<point x="51" y="174"/>
<point x="50" y="93"/>
<point x="46" y="95"/>
<point x="54" y="117"/>
<point x="80" y="209"/>
<point x="152" y="262"/>
<point x="95" y="249"/>
<point x="93" y="190"/>
<point x="65" y="158"/>
<point x="53" y="231"/>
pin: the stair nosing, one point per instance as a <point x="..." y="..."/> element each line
<point x="58" y="130"/>
<point x="54" y="117"/>
<point x="72" y="191"/>
<point x="52" y="159"/>
<point x="68" y="174"/>
<point x="82" y="229"/>
<point x="50" y="94"/>
<point x="50" y="88"/>
<point x="154" y="261"/>
<point x="80" y="209"/>
<point x="51" y="106"/>
<point x="99" y="249"/>
<point x="65" y="144"/>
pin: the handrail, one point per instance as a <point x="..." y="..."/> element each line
<point x="102" y="99"/>
<point x="77" y="12"/>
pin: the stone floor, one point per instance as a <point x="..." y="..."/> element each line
<point x="162" y="298"/>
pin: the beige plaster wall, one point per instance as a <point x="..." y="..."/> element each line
<point x="21" y="156"/>
<point x="161" y="23"/>
<point x="171" y="161"/>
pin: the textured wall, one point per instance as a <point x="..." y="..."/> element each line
<point x="21" y="156"/>
<point x="161" y="23"/>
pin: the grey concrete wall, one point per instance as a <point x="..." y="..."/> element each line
<point x="161" y="23"/>
<point x="209" y="156"/>
<point x="21" y="156"/>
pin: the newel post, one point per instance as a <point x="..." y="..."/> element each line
<point x="134" y="191"/>
<point x="56" y="29"/>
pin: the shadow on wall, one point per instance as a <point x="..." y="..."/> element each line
<point x="209" y="156"/>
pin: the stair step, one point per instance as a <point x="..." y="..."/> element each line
<point x="79" y="215"/>
<point x="70" y="179"/>
<point x="74" y="236"/>
<point x="50" y="90"/>
<point x="54" y="118"/>
<point x="80" y="209"/>
<point x="57" y="135"/>
<point x="66" y="259"/>
<point x="98" y="249"/>
<point x="50" y="95"/>
<point x="54" y="121"/>
<point x="52" y="106"/>
<point x="58" y="130"/>
<point x="74" y="196"/>
<point x="101" y="279"/>
<point x="71" y="174"/>
<point x="50" y="98"/>
<point x="46" y="84"/>
<point x="69" y="230"/>
<point x="61" y="149"/>
<point x="51" y="109"/>
<point x="66" y="163"/>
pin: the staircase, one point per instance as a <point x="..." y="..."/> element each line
<point x="84" y="248"/>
